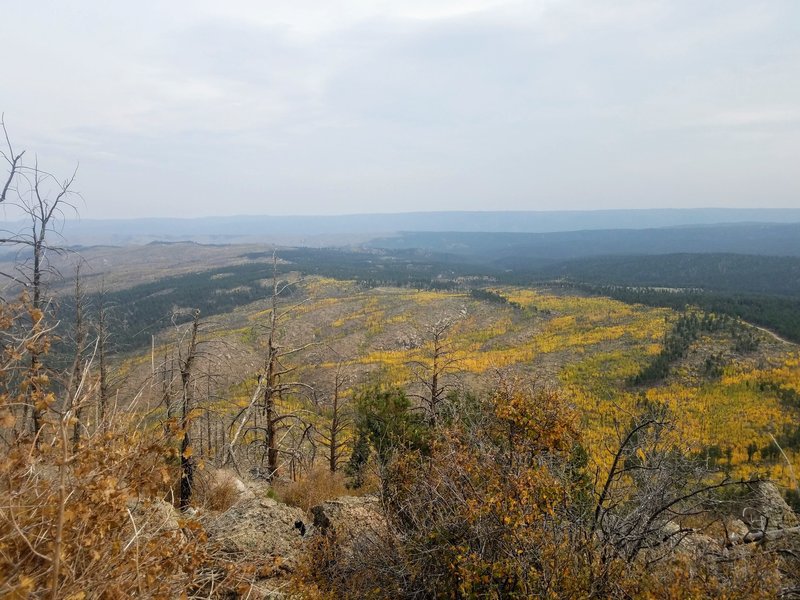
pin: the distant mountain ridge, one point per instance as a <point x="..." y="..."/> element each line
<point x="731" y="273"/>
<point x="531" y="250"/>
<point x="357" y="228"/>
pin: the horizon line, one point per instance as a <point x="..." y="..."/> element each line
<point x="440" y="212"/>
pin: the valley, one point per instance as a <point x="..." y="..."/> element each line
<point x="723" y="398"/>
<point x="253" y="388"/>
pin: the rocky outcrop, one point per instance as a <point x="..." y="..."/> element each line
<point x="353" y="534"/>
<point x="354" y="524"/>
<point x="769" y="510"/>
<point x="259" y="530"/>
<point x="763" y="516"/>
<point x="349" y="517"/>
<point x="273" y="536"/>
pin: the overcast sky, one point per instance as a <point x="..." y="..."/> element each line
<point x="195" y="108"/>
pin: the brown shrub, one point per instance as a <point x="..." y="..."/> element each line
<point x="216" y="490"/>
<point x="316" y="487"/>
<point x="93" y="521"/>
<point x="85" y="518"/>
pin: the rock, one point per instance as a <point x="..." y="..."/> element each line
<point x="354" y="521"/>
<point x="266" y="533"/>
<point x="770" y="505"/>
<point x="347" y="512"/>
<point x="700" y="546"/>
<point x="154" y="516"/>
<point x="669" y="529"/>
<point x="259" y="530"/>
<point x="737" y="530"/>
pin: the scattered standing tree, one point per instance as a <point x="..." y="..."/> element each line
<point x="78" y="364"/>
<point x="42" y="197"/>
<point x="178" y="395"/>
<point x="438" y="361"/>
<point x="101" y="329"/>
<point x="263" y="417"/>
<point x="275" y="369"/>
<point x="338" y="422"/>
<point x="186" y="364"/>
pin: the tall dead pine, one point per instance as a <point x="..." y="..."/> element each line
<point x="186" y="365"/>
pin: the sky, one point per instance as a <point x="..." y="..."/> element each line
<point x="199" y="108"/>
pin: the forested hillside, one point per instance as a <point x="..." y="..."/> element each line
<point x="526" y="250"/>
<point x="731" y="273"/>
<point x="760" y="289"/>
<point x="606" y="425"/>
<point x="314" y="387"/>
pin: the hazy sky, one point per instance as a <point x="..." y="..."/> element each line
<point x="194" y="108"/>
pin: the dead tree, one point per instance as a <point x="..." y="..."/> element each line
<point x="186" y="363"/>
<point x="14" y="160"/>
<point x="178" y="372"/>
<point x="335" y="410"/>
<point x="646" y="498"/>
<point x="239" y="425"/>
<point x="275" y="372"/>
<point x="42" y="198"/>
<point x="271" y="424"/>
<point x="439" y="359"/>
<point x="76" y="377"/>
<point x="101" y="329"/>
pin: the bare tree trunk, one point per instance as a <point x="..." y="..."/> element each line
<point x="102" y="335"/>
<point x="330" y="436"/>
<point x="166" y="384"/>
<point x="77" y="367"/>
<point x="442" y="362"/>
<point x="208" y="433"/>
<point x="36" y="411"/>
<point x="270" y="379"/>
<point x="272" y="376"/>
<point x="332" y="458"/>
<point x="187" y="463"/>
<point x="43" y="210"/>
<point x="230" y="455"/>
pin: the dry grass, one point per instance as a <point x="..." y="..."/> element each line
<point x="315" y="488"/>
<point x="218" y="490"/>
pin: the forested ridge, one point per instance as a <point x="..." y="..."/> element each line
<point x="729" y="273"/>
<point x="779" y="314"/>
<point x="721" y="284"/>
<point x="522" y="250"/>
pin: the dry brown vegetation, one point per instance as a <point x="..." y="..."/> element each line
<point x="92" y="518"/>
<point x="498" y="503"/>
<point x="312" y="488"/>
